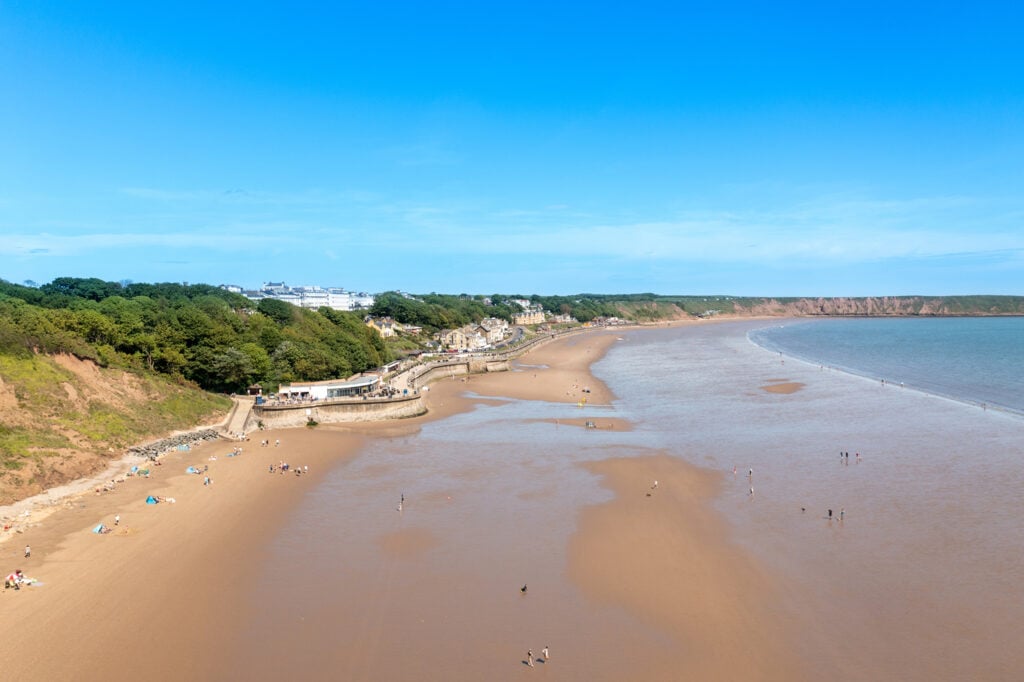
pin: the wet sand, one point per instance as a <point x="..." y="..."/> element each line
<point x="242" y="579"/>
<point x="783" y="387"/>
<point x="157" y="595"/>
<point x="660" y="552"/>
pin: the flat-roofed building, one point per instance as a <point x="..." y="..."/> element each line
<point x="325" y="390"/>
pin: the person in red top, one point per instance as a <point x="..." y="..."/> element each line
<point x="14" y="580"/>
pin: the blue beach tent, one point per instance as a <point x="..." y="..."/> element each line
<point x="98" y="528"/>
<point x="151" y="500"/>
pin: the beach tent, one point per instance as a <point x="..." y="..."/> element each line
<point x="151" y="500"/>
<point x="191" y="470"/>
<point x="98" y="528"/>
<point x="134" y="469"/>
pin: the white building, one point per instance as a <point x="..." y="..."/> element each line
<point x="324" y="390"/>
<point x="312" y="297"/>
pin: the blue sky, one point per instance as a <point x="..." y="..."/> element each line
<point x="764" y="149"/>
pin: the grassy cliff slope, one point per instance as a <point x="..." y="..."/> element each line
<point x="63" y="418"/>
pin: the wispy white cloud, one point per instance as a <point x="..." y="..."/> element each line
<point x="835" y="230"/>
<point x="70" y="245"/>
<point x="236" y="196"/>
<point x="840" y="231"/>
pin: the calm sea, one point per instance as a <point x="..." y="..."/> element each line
<point x="977" y="360"/>
<point x="918" y="582"/>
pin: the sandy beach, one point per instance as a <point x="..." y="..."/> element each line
<point x="402" y="554"/>
<point x="155" y="595"/>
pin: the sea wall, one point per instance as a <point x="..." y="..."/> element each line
<point x="288" y="416"/>
<point x="444" y="370"/>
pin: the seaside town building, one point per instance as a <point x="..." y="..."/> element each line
<point x="385" y="326"/>
<point x="472" y="337"/>
<point x="453" y="339"/>
<point x="527" y="317"/>
<point x="312" y="297"/>
<point x="493" y="329"/>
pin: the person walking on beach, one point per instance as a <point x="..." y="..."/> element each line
<point x="206" y="480"/>
<point x="842" y="513"/>
<point x="529" y="657"/>
<point x="28" y="551"/>
<point x="117" y="519"/>
<point x="829" y="514"/>
<point x="545" y="654"/>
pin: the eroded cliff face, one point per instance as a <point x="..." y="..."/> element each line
<point x="868" y="306"/>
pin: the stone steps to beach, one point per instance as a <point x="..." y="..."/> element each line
<point x="235" y="424"/>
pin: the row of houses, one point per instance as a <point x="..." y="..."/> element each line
<point x="484" y="334"/>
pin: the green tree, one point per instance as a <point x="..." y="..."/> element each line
<point x="279" y="311"/>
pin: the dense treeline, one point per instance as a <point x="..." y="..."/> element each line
<point x="586" y="307"/>
<point x="434" y="312"/>
<point x="199" y="333"/>
<point x="441" y="311"/>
